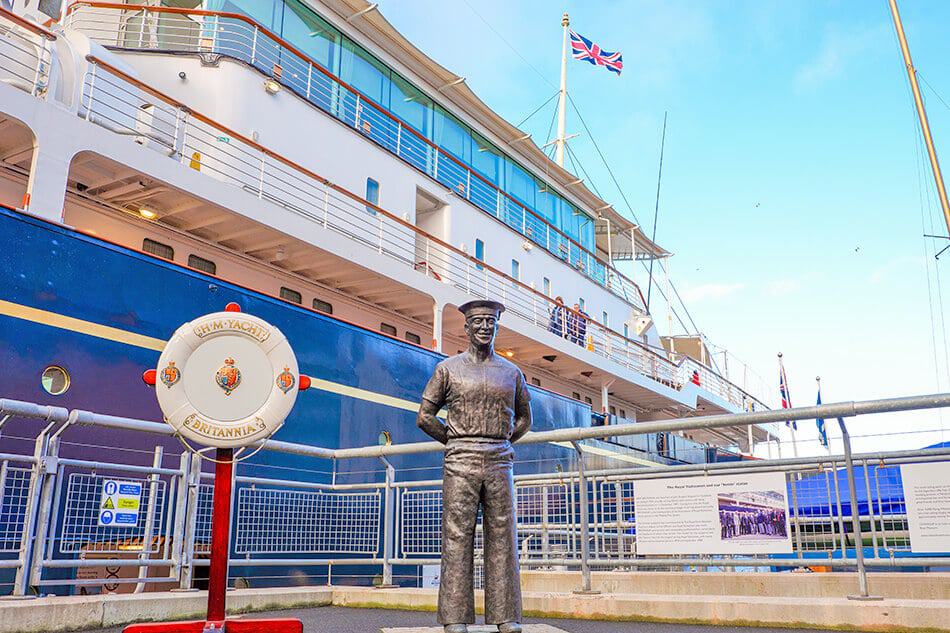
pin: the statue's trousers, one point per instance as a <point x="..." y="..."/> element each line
<point x="479" y="471"/>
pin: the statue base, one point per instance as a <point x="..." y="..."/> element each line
<point x="475" y="628"/>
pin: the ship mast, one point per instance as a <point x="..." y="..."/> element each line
<point x="562" y="98"/>
<point x="921" y="113"/>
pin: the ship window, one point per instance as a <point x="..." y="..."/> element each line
<point x="386" y="328"/>
<point x="479" y="252"/>
<point x="626" y="330"/>
<point x="623" y="413"/>
<point x="202" y="264"/>
<point x="55" y="380"/>
<point x="576" y="396"/>
<point x="604" y="320"/>
<point x="588" y="400"/>
<point x="580" y="302"/>
<point x="158" y="249"/>
<point x="515" y="269"/>
<point x="613" y="410"/>
<point x="384" y="439"/>
<point x="372" y="194"/>
<point x="291" y="295"/>
<point x="546" y="286"/>
<point x="323" y="306"/>
<point x="536" y="382"/>
<point x="413" y="338"/>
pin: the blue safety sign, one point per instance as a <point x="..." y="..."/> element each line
<point x="119" y="503"/>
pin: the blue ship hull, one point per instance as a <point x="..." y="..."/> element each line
<point x="60" y="285"/>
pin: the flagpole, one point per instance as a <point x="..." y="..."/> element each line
<point x="791" y="427"/>
<point x="562" y="97"/>
<point x="921" y="113"/>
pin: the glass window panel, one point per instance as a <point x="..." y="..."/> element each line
<point x="372" y="194"/>
<point x="520" y="184"/>
<point x="362" y="71"/>
<point x="264" y="12"/>
<point x="410" y="105"/>
<point x="452" y="135"/>
<point x="547" y="204"/>
<point x="487" y="159"/>
<point x="311" y="34"/>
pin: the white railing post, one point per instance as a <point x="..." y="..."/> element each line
<point x="356" y="112"/>
<point x="380" y="233"/>
<point x="524" y="221"/>
<point x="468" y="184"/>
<point x="142" y="29"/>
<point x="254" y="47"/>
<point x="435" y="166"/>
<point x="260" y="185"/>
<point x="92" y="86"/>
<point x="498" y="204"/>
<point x="398" y="137"/>
<point x="428" y="241"/>
<point x="326" y="204"/>
<point x="309" y="79"/>
<point x="38" y="74"/>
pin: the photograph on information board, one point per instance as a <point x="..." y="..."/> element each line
<point x="727" y="514"/>
<point x="753" y="515"/>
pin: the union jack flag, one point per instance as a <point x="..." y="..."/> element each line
<point x="786" y="396"/>
<point x="587" y="51"/>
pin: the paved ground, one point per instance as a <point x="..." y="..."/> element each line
<point x="347" y="620"/>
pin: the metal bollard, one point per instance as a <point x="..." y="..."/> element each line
<point x="389" y="515"/>
<point x="585" y="526"/>
<point x="855" y="518"/>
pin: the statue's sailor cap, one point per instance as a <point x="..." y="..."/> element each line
<point x="481" y="306"/>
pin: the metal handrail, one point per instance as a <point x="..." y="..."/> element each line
<point x="30" y="26"/>
<point x="500" y="198"/>
<point x="176" y="133"/>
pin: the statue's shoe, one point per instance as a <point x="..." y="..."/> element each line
<point x="509" y="627"/>
<point x="457" y="628"/>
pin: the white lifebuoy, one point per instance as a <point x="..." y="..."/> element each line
<point x="227" y="380"/>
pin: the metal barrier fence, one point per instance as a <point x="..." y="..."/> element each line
<point x="845" y="512"/>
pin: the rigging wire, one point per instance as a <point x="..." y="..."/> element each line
<point x="509" y="45"/>
<point x="538" y="109"/>
<point x="933" y="90"/>
<point x="656" y="209"/>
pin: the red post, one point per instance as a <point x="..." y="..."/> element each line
<point x="220" y="534"/>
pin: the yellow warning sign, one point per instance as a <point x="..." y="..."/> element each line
<point x="108" y="505"/>
<point x="126" y="503"/>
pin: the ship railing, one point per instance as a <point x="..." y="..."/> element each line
<point x="327" y="510"/>
<point x="25" y="54"/>
<point x="126" y="106"/>
<point x="213" y="35"/>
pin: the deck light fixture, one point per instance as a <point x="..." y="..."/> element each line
<point x="271" y="86"/>
<point x="148" y="214"/>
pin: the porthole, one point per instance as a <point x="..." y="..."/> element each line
<point x="384" y="439"/>
<point x="55" y="380"/>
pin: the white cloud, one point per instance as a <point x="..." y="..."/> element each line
<point x="838" y="48"/>
<point x="897" y="266"/>
<point x="703" y="292"/>
<point x="782" y="287"/>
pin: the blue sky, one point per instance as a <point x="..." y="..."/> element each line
<point x="792" y="182"/>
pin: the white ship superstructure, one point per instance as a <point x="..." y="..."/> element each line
<point x="309" y="151"/>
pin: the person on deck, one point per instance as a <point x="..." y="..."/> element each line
<point x="557" y="324"/>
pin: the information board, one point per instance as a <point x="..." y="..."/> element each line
<point x="726" y="514"/>
<point x="927" y="496"/>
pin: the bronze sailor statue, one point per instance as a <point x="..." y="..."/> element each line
<point x="488" y="409"/>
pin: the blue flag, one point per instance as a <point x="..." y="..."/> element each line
<point x="822" y="433"/>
